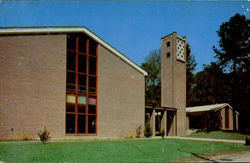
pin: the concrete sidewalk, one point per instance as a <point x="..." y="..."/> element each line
<point x="232" y="157"/>
<point x="93" y="138"/>
<point x="236" y="157"/>
<point x="207" y="139"/>
<point x="244" y="157"/>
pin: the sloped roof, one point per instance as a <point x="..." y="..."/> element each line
<point x="204" y="108"/>
<point x="81" y="29"/>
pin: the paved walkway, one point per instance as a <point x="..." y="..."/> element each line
<point x="207" y="139"/>
<point x="87" y="138"/>
<point x="233" y="157"/>
<point x="245" y="157"/>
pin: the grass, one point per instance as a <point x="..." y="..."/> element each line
<point x="135" y="150"/>
<point x="219" y="135"/>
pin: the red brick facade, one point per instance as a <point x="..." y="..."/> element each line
<point x="33" y="88"/>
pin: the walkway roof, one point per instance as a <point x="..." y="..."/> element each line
<point x="205" y="108"/>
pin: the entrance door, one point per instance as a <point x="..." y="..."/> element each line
<point x="158" y="117"/>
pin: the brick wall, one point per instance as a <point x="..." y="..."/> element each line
<point x="33" y="82"/>
<point x="32" y="85"/>
<point x="121" y="96"/>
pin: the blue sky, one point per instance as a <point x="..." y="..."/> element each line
<point x="132" y="27"/>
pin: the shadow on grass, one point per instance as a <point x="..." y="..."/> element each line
<point x="197" y="156"/>
<point x="226" y="159"/>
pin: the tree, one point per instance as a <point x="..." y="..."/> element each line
<point x="234" y="51"/>
<point x="153" y="81"/>
<point x="234" y="43"/>
<point x="191" y="64"/>
<point x="148" y="130"/>
<point x="211" y="86"/>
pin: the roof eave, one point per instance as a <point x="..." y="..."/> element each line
<point x="37" y="30"/>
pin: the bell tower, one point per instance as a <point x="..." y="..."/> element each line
<point x="173" y="78"/>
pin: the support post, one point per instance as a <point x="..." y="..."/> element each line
<point x="164" y="121"/>
<point x="152" y="121"/>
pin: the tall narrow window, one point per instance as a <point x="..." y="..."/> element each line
<point x="226" y="117"/>
<point x="81" y="93"/>
<point x="168" y="55"/>
<point x="168" y="43"/>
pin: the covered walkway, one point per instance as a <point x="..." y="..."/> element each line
<point x="161" y="118"/>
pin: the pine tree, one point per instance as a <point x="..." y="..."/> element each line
<point x="148" y="130"/>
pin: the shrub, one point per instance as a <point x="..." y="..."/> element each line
<point x="131" y="135"/>
<point x="157" y="133"/>
<point x="247" y="140"/>
<point x="25" y="136"/>
<point x="162" y="133"/>
<point x="148" y="130"/>
<point x="44" y="135"/>
<point x="138" y="131"/>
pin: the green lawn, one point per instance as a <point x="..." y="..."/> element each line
<point x="135" y="150"/>
<point x="219" y="135"/>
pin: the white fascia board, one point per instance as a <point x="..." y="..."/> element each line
<point x="181" y="38"/>
<point x="37" y="30"/>
<point x="214" y="107"/>
<point x="229" y="106"/>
